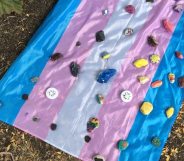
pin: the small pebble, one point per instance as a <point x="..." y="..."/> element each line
<point x="92" y="124"/>
<point x="105" y="12"/>
<point x="168" y="25"/>
<point x="78" y="43"/>
<point x="181" y="82"/>
<point x="87" y="139"/>
<point x="130" y="9"/>
<point x="98" y="158"/>
<point x="122" y="144"/>
<point x="35" y="119"/>
<point x="74" y="69"/>
<point x="143" y="79"/>
<point x="178" y="7"/>
<point x="179" y="55"/>
<point x="34" y="79"/>
<point x="140" y="63"/>
<point x="171" y="77"/>
<point x="155" y="59"/>
<point x="105" y="75"/>
<point x="105" y="55"/>
<point x="55" y="56"/>
<point x="156" y="141"/>
<point x="128" y="31"/>
<point x="152" y="41"/>
<point x="53" y="126"/>
<point x="100" y="36"/>
<point x="100" y="99"/>
<point x="151" y="1"/>
<point x="169" y="112"/>
<point x="25" y="96"/>
<point x="156" y="84"/>
<point x="146" y="108"/>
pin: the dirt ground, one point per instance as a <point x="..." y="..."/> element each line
<point x="15" y="32"/>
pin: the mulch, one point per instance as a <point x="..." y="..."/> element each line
<point x="15" y="32"/>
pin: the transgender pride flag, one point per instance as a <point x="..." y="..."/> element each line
<point x="133" y="117"/>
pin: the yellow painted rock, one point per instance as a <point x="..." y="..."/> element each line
<point x="169" y="112"/>
<point x="143" y="79"/>
<point x="146" y="108"/>
<point x="140" y="63"/>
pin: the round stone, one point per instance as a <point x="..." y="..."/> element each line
<point x="105" y="12"/>
<point x="128" y="31"/>
<point x="53" y="126"/>
<point x="87" y="139"/>
<point x="25" y="96"/>
<point x="98" y="158"/>
<point x="156" y="141"/>
<point x="126" y="96"/>
<point x="122" y="144"/>
<point x="52" y="93"/>
<point x="78" y="43"/>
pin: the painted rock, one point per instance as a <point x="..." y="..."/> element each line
<point x="179" y="55"/>
<point x="105" y="55"/>
<point x="53" y="126"/>
<point x="169" y="112"/>
<point x="105" y="75"/>
<point x="140" y="63"/>
<point x="100" y="36"/>
<point x="98" y="158"/>
<point x="105" y="12"/>
<point x="122" y="144"/>
<point x="87" y="139"/>
<point x="156" y="84"/>
<point x="128" y="31"/>
<point x="74" y="69"/>
<point x="78" y="44"/>
<point x="152" y="41"/>
<point x="178" y="7"/>
<point x="25" y="96"/>
<point x="171" y="77"/>
<point x="130" y="9"/>
<point x="34" y="79"/>
<point x="100" y="99"/>
<point x="156" y="141"/>
<point x="92" y="124"/>
<point x="143" y="79"/>
<point x="154" y="58"/>
<point x="55" y="56"/>
<point x="146" y="108"/>
<point x="181" y="82"/>
<point x="168" y="25"/>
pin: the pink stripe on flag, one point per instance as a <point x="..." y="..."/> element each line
<point x="116" y="117"/>
<point x="86" y="22"/>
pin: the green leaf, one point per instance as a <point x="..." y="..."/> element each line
<point x="8" y="6"/>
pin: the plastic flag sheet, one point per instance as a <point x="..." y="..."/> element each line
<point x="102" y="80"/>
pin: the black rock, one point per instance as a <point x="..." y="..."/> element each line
<point x="25" y="96"/>
<point x="74" y="69"/>
<point x="55" y="56"/>
<point x="100" y="36"/>
<point x="87" y="139"/>
<point x="53" y="126"/>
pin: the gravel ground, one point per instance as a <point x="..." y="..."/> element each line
<point x="15" y="31"/>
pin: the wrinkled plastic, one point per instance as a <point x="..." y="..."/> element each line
<point x="78" y="21"/>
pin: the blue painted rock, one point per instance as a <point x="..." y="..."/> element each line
<point x="105" y="75"/>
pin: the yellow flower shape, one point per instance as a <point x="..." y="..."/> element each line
<point x="155" y="58"/>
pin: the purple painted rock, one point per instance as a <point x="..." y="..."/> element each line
<point x="130" y="9"/>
